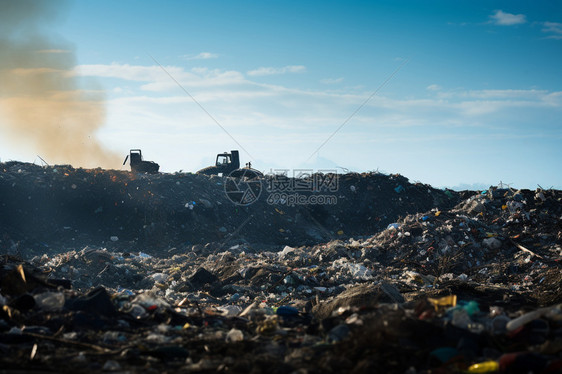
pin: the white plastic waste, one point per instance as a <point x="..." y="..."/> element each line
<point x="234" y="335"/>
<point x="50" y="301"/>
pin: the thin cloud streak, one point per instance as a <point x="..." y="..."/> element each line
<point x="158" y="80"/>
<point x="215" y="79"/>
<point x="201" y="56"/>
<point x="263" y="71"/>
<point x="552" y="28"/>
<point x="244" y="105"/>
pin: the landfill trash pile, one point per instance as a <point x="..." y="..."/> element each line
<point x="59" y="207"/>
<point x="464" y="282"/>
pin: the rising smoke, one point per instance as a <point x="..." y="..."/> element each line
<point x="43" y="105"/>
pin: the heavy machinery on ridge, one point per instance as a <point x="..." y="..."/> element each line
<point x="138" y="165"/>
<point x="228" y="164"/>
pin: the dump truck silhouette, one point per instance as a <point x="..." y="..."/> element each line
<point x="229" y="164"/>
<point x="138" y="165"/>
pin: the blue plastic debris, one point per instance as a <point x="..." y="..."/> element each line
<point x="287" y="311"/>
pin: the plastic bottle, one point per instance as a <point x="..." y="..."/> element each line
<point x="514" y="324"/>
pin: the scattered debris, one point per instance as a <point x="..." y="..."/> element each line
<point x="420" y="280"/>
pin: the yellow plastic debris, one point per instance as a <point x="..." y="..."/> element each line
<point x="484" y="367"/>
<point x="437" y="213"/>
<point x="267" y="326"/>
<point x="21" y="272"/>
<point x="340" y="232"/>
<point x="443" y="302"/>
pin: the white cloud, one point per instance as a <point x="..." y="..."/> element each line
<point x="275" y="71"/>
<point x="331" y="80"/>
<point x="232" y="89"/>
<point x="128" y="72"/>
<point x="240" y="103"/>
<point x="502" y="18"/>
<point x="158" y="80"/>
<point x="553" y="99"/>
<point x="201" y="56"/>
<point x="554" y="29"/>
<point x="196" y="78"/>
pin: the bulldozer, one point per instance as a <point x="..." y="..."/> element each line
<point x="229" y="164"/>
<point x="138" y="165"/>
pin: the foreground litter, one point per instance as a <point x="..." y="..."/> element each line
<point x="435" y="281"/>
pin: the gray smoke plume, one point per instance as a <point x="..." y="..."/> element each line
<point x="43" y="105"/>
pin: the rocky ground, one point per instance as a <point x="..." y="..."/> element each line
<point x="105" y="270"/>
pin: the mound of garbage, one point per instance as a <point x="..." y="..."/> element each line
<point x="116" y="272"/>
<point x="55" y="206"/>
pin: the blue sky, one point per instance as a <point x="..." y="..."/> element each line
<point x="474" y="95"/>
